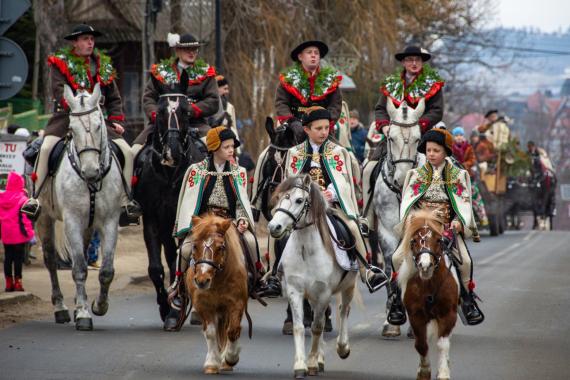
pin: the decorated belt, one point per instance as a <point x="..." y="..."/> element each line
<point x="441" y="209"/>
<point x="219" y="211"/>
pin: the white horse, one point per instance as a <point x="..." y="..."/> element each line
<point x="310" y="269"/>
<point x="403" y="137"/>
<point x="85" y="194"/>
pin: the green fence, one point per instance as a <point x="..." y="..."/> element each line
<point x="32" y="119"/>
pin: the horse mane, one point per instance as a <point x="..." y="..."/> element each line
<point x="318" y="209"/>
<point x="211" y="224"/>
<point x="417" y="220"/>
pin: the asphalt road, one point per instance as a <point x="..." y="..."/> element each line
<point x="522" y="277"/>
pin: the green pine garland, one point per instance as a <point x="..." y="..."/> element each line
<point x="299" y="78"/>
<point x="395" y="84"/>
<point x="167" y="73"/>
<point x="78" y="67"/>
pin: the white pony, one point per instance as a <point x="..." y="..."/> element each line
<point x="403" y="139"/>
<point x="85" y="194"/>
<point x="310" y="269"/>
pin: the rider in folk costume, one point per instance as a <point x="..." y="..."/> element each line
<point x="81" y="66"/>
<point x="216" y="185"/>
<point x="306" y="83"/>
<point x="202" y="89"/>
<point x="465" y="155"/>
<point x="496" y="129"/>
<point x="443" y="187"/>
<point x="416" y="80"/>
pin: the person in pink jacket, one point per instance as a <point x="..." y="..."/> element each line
<point x="16" y="230"/>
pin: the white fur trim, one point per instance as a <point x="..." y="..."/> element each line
<point x="173" y="39"/>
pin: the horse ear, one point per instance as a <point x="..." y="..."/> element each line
<point x="420" y="108"/>
<point x="269" y="128"/>
<point x="95" y="96"/>
<point x="307" y="180"/>
<point x="68" y="96"/>
<point x="392" y="110"/>
<point x="225" y="225"/>
<point x="183" y="84"/>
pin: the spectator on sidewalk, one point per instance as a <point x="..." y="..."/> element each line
<point x="16" y="230"/>
<point x="358" y="133"/>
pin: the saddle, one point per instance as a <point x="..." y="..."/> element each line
<point x="343" y="236"/>
<point x="58" y="151"/>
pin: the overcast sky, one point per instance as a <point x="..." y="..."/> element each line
<point x="547" y="15"/>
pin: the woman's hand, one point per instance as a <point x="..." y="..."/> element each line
<point x="242" y="226"/>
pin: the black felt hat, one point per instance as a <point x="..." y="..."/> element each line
<point x="414" y="51"/>
<point x="183" y="41"/>
<point x="439" y="136"/>
<point x="81" y="29"/>
<point x="490" y="112"/>
<point x="315" y="113"/>
<point x="323" y="49"/>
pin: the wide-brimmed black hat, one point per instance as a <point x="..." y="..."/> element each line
<point x="315" y="113"/>
<point x="439" y="136"/>
<point x="81" y="29"/>
<point x="490" y="112"/>
<point x="323" y="49"/>
<point x="415" y="51"/>
<point x="183" y="41"/>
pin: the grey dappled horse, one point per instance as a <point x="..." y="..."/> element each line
<point x="85" y="194"/>
<point x="404" y="137"/>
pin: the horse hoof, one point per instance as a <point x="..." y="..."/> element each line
<point x="62" y="316"/>
<point x="391" y="331"/>
<point x="300" y="373"/>
<point x="99" y="310"/>
<point x="163" y="310"/>
<point x="424" y="374"/>
<point x="287" y="328"/>
<point x="410" y="333"/>
<point x="226" y="367"/>
<point x="343" y="351"/>
<point x="321" y="367"/>
<point x="84" y="324"/>
<point x="171" y="325"/>
<point x="313" y="371"/>
<point x="231" y="364"/>
<point x="211" y="370"/>
<point x="195" y="319"/>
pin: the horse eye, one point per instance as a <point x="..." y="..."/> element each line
<point x="299" y="201"/>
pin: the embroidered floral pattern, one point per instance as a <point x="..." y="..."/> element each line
<point x="77" y="69"/>
<point x="296" y="164"/>
<point x="166" y="71"/>
<point x="336" y="162"/>
<point x="296" y="81"/>
<point x="426" y="84"/>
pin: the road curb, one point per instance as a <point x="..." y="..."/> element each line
<point x="15" y="297"/>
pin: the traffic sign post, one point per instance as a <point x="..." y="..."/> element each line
<point x="10" y="12"/>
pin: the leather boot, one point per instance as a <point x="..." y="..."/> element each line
<point x="18" y="287"/>
<point x="396" y="310"/>
<point x="470" y="313"/>
<point x="9" y="284"/>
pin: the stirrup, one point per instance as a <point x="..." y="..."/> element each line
<point x="371" y="274"/>
<point x="31" y="208"/>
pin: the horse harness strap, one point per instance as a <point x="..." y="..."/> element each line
<point x="395" y="189"/>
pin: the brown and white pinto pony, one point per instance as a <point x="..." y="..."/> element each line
<point x="216" y="280"/>
<point x="430" y="289"/>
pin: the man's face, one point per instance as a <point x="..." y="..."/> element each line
<point x="187" y="55"/>
<point x="224" y="90"/>
<point x="413" y="64"/>
<point x="310" y="58"/>
<point x="83" y="45"/>
<point x="318" y="131"/>
<point x="492" y="117"/>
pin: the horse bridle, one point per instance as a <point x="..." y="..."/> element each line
<point x="104" y="167"/>
<point x="171" y="114"/>
<point x="395" y="187"/>
<point x="425" y="249"/>
<point x="207" y="246"/>
<point x="304" y="210"/>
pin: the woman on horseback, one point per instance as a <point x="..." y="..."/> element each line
<point x="218" y="186"/>
<point x="440" y="186"/>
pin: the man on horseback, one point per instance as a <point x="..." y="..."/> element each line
<point x="202" y="89"/>
<point x="416" y="80"/>
<point x="218" y="186"/>
<point x="81" y="66"/>
<point x="445" y="189"/>
<point x="306" y="83"/>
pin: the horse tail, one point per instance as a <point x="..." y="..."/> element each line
<point x="62" y="245"/>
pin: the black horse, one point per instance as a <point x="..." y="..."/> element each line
<point x="161" y="165"/>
